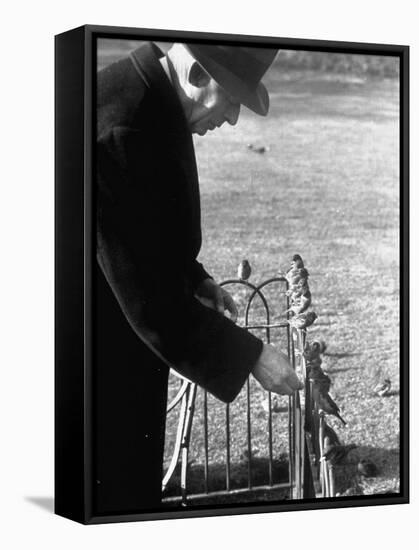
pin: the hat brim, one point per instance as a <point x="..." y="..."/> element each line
<point x="257" y="99"/>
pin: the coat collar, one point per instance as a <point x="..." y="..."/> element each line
<point x="146" y="61"/>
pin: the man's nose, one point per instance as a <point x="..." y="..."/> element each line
<point x="232" y="113"/>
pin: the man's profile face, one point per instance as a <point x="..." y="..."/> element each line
<point x="210" y="107"/>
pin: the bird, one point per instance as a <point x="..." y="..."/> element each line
<point x="383" y="388"/>
<point x="367" y="468"/>
<point x="302" y="303"/>
<point x="323" y="384"/>
<point x="295" y="275"/>
<point x="330" y="433"/>
<point x="336" y="454"/>
<point x="297" y="290"/>
<point x="296" y="263"/>
<point x="326" y="403"/>
<point x="312" y="350"/>
<point x="262" y="149"/>
<point x="323" y="346"/>
<point x="303" y="320"/>
<point x="244" y="270"/>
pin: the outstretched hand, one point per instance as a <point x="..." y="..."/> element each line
<point x="212" y="295"/>
<point x="274" y="373"/>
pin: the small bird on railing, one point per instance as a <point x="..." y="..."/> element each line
<point x="294" y="276"/>
<point x="312" y="350"/>
<point x="383" y="388"/>
<point x="244" y="270"/>
<point x="330" y="433"/>
<point x="297" y="290"/>
<point x="326" y="403"/>
<point x="296" y="263"/>
<point x="336" y="454"/>
<point x="303" y="320"/>
<point x="322" y="384"/>
<point x="302" y="303"/>
<point x="367" y="468"/>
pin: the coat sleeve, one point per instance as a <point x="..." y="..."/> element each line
<point x="150" y="275"/>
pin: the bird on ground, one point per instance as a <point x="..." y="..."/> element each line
<point x="244" y="270"/>
<point x="262" y="149"/>
<point x="330" y="433"/>
<point x="303" y="320"/>
<point x="367" y="468"/>
<point x="383" y="388"/>
<point x="336" y="454"/>
<point x="326" y="403"/>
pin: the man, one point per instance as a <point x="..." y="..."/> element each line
<point x="156" y="306"/>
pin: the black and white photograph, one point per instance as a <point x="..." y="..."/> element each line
<point x="231" y="275"/>
<point x="247" y="288"/>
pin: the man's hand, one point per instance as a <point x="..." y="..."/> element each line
<point x="214" y="296"/>
<point x="274" y="373"/>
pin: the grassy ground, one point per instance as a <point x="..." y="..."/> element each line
<point x="327" y="189"/>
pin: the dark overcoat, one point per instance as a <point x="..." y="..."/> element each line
<point x="147" y="317"/>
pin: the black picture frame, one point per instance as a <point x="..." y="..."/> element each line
<point x="75" y="68"/>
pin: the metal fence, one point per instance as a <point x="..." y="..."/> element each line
<point x="309" y="474"/>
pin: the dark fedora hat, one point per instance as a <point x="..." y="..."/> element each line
<point x="238" y="70"/>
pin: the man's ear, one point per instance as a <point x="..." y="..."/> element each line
<point x="198" y="77"/>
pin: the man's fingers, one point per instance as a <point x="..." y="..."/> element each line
<point x="230" y="305"/>
<point x="219" y="300"/>
<point x="284" y="389"/>
<point x="294" y="382"/>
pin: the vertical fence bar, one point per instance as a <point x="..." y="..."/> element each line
<point x="249" y="438"/>
<point x="290" y="417"/>
<point x="186" y="440"/>
<point x="206" y="440"/>
<point x="270" y="464"/>
<point x="228" y="473"/>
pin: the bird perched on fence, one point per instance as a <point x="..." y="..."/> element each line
<point x="326" y="403"/>
<point x="312" y="350"/>
<point x="295" y="275"/>
<point x="301" y="303"/>
<point x="244" y="270"/>
<point x="303" y="320"/>
<point x="296" y="262"/>
<point x="383" y="388"/>
<point x="330" y="433"/>
<point x="322" y="383"/>
<point x="367" y="468"/>
<point x="323" y="346"/>
<point x="297" y="290"/>
<point x="336" y="454"/>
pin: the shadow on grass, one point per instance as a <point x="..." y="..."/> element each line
<point x="238" y="476"/>
<point x="342" y="355"/>
<point x="349" y="480"/>
<point x="342" y="369"/>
